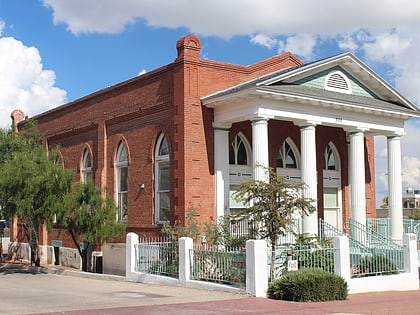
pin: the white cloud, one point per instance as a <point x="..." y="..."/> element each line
<point x="386" y="46"/>
<point x="384" y="31"/>
<point x="24" y="83"/>
<point x="234" y="17"/>
<point x="264" y="40"/>
<point x="300" y="44"/>
<point x="411" y="172"/>
<point x="143" y="71"/>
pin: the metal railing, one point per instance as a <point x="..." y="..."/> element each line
<point x="157" y="257"/>
<point x="321" y="257"/>
<point x="219" y="264"/>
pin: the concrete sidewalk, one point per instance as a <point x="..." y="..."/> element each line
<point x="76" y="292"/>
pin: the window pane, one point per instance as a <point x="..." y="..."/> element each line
<point x="123" y="172"/>
<point x="279" y="160"/>
<point x="163" y="150"/>
<point x="122" y="207"/>
<point x="87" y="176"/>
<point x="87" y="161"/>
<point x="164" y="206"/>
<point x="122" y="154"/>
<point x="290" y="157"/>
<point x="164" y="176"/>
<point x="330" y="197"/>
<point x="242" y="158"/>
<point x="331" y="159"/>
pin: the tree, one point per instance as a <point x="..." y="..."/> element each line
<point x="32" y="186"/>
<point x="89" y="217"/>
<point x="384" y="204"/>
<point x="273" y="205"/>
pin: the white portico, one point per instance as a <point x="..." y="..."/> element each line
<point x="340" y="93"/>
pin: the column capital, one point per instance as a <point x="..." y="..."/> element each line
<point x="393" y="135"/>
<point x="221" y="126"/>
<point x="307" y="123"/>
<point x="260" y="118"/>
<point x="356" y="130"/>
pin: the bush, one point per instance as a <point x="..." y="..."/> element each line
<point x="308" y="284"/>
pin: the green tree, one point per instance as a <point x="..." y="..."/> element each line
<point x="32" y="186"/>
<point x="273" y="205"/>
<point x="89" y="217"/>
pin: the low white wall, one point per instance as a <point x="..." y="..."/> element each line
<point x="409" y="280"/>
<point x="113" y="259"/>
<point x="397" y="282"/>
<point x="257" y="275"/>
<point x="184" y="269"/>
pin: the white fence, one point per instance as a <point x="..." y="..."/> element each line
<point x="257" y="271"/>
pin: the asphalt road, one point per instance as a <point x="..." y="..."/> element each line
<point x="26" y="292"/>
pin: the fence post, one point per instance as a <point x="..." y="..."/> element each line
<point x="185" y="245"/>
<point x="132" y="239"/>
<point x="256" y="268"/>
<point x="411" y="263"/>
<point x="342" y="257"/>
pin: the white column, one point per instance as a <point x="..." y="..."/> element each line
<point x="260" y="148"/>
<point x="309" y="177"/>
<point x="256" y="268"/>
<point x="221" y="169"/>
<point x="395" y="187"/>
<point x="357" y="177"/>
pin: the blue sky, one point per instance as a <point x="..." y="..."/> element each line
<point x="55" y="51"/>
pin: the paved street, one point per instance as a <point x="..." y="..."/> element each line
<point x="28" y="292"/>
<point x="25" y="292"/>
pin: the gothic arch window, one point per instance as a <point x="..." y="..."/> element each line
<point x="238" y="151"/>
<point x="162" y="181"/>
<point x="287" y="155"/>
<point x="86" y="169"/>
<point x="121" y="166"/>
<point x="330" y="158"/>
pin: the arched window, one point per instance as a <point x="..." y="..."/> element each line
<point x="121" y="166"/>
<point x="162" y="181"/>
<point x="238" y="154"/>
<point x="86" y="168"/>
<point x="286" y="157"/>
<point x="330" y="159"/>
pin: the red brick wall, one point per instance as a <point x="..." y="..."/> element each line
<point x="166" y="100"/>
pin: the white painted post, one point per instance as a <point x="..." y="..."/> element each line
<point x="309" y="175"/>
<point x="256" y="268"/>
<point x="185" y="245"/>
<point x="395" y="187"/>
<point x="130" y="255"/>
<point x="342" y="257"/>
<point x="411" y="262"/>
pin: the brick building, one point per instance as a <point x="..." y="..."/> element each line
<point x="183" y="135"/>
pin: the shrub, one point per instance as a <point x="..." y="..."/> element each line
<point x="308" y="284"/>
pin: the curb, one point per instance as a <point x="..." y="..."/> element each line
<point x="22" y="268"/>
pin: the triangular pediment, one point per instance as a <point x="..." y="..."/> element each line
<point x="341" y="74"/>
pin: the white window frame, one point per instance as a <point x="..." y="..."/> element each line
<point x="161" y="160"/>
<point x="86" y="168"/>
<point x="121" y="165"/>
